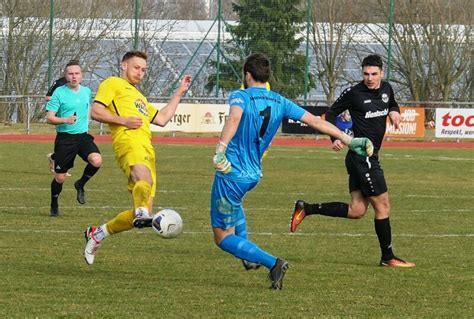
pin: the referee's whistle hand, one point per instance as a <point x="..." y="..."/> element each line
<point x="71" y="119"/>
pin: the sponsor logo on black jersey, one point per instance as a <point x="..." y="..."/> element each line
<point x="370" y="114"/>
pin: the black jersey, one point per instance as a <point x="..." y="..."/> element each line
<point x="368" y="108"/>
<point x="59" y="82"/>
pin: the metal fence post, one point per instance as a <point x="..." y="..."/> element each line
<point x="308" y="29"/>
<point x="390" y="33"/>
<point x="28" y="107"/>
<point x="136" y="20"/>
<point x="50" y="42"/>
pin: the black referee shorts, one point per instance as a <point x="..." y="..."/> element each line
<point x="67" y="146"/>
<point x="365" y="174"/>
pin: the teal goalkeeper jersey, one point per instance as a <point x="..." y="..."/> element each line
<point x="65" y="102"/>
<point x="263" y="112"/>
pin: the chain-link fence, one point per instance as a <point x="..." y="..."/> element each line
<point x="27" y="114"/>
<point x="315" y="46"/>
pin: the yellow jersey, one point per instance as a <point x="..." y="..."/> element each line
<point x="124" y="99"/>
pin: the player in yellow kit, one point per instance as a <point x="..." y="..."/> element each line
<point x="120" y="104"/>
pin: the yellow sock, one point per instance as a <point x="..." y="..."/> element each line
<point x="141" y="194"/>
<point x="121" y="222"/>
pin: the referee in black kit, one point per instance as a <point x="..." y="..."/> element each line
<point x="369" y="103"/>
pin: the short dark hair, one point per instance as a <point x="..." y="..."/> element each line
<point x="72" y="62"/>
<point x="132" y="54"/>
<point x="372" y="60"/>
<point x="258" y="66"/>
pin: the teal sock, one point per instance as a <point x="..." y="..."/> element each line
<point x="247" y="250"/>
<point x="241" y="229"/>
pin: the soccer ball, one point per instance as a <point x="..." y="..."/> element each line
<point x="167" y="223"/>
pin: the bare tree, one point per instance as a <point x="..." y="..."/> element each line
<point x="25" y="63"/>
<point x="431" y="55"/>
<point x="332" y="41"/>
<point x="226" y="9"/>
<point x="153" y="35"/>
<point x="191" y="10"/>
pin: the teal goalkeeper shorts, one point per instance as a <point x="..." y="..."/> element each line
<point x="226" y="201"/>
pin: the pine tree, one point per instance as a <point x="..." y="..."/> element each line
<point x="271" y="27"/>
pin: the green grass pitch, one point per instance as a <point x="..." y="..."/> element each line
<point x="333" y="271"/>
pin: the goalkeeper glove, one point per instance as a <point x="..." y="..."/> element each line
<point x="360" y="145"/>
<point x="221" y="164"/>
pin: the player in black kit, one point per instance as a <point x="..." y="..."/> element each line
<point x="369" y="103"/>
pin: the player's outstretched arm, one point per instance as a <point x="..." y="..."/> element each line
<point x="360" y="145"/>
<point x="99" y="113"/>
<point x="166" y="113"/>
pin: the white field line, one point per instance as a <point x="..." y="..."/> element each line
<point x="385" y="155"/>
<point x="164" y="191"/>
<point x="63" y="231"/>
<point x="436" y="196"/>
<point x="248" y="209"/>
<point x="310" y="154"/>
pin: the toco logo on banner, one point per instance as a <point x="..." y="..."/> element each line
<point x="412" y="123"/>
<point x="455" y="123"/>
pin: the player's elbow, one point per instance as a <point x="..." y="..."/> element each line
<point x="235" y="120"/>
<point x="95" y="115"/>
<point x="160" y="122"/>
<point x="49" y="119"/>
<point x="315" y="122"/>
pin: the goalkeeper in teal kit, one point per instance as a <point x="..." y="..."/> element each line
<point x="255" y="115"/>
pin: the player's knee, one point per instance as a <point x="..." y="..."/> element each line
<point x="358" y="215"/>
<point x="141" y="173"/>
<point x="357" y="211"/>
<point x="382" y="207"/>
<point x="144" y="183"/>
<point x="60" y="178"/>
<point x="217" y="239"/>
<point x="382" y="211"/>
<point x="219" y="235"/>
<point x="95" y="160"/>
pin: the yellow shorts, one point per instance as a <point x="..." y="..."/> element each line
<point x="130" y="152"/>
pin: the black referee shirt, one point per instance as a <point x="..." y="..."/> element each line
<point x="368" y="108"/>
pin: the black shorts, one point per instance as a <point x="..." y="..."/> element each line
<point x="365" y="175"/>
<point x="67" y="146"/>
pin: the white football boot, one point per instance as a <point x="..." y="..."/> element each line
<point x="91" y="245"/>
